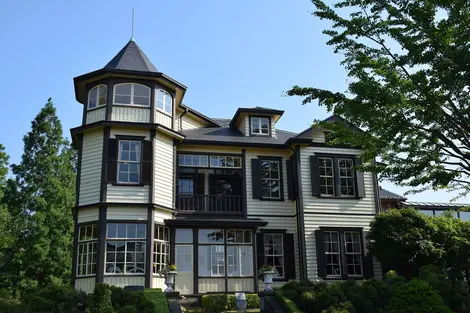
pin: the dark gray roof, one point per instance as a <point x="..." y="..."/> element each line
<point x="434" y="205"/>
<point x="385" y="194"/>
<point x="131" y="58"/>
<point x="224" y="122"/>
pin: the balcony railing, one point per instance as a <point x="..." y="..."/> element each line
<point x="209" y="203"/>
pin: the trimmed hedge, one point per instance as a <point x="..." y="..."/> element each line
<point x="216" y="303"/>
<point x="286" y="303"/>
<point x="158" y="298"/>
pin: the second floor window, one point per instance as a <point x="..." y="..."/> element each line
<point x="132" y="94"/>
<point x="97" y="96"/>
<point x="270" y="179"/>
<point x="129" y="162"/>
<point x="259" y="125"/>
<point x="164" y="102"/>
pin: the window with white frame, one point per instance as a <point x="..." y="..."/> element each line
<point x="259" y="125"/>
<point x="164" y="102"/>
<point x="226" y="162"/>
<point x="346" y="177"/>
<point x="97" y="96"/>
<point x="327" y="176"/>
<point x="274" y="252"/>
<point x="87" y="247"/>
<point x="129" y="161"/>
<point x="271" y="179"/>
<point x="193" y="160"/>
<point x="353" y="251"/>
<point x="332" y="254"/>
<point x="132" y="94"/>
<point x="161" y="249"/>
<point x="211" y="252"/>
<point x="239" y="253"/>
<point x="125" y="248"/>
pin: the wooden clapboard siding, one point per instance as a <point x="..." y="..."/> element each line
<point x="212" y="150"/>
<point x="273" y="127"/>
<point x="90" y="176"/>
<point x="160" y="216"/>
<point x="129" y="132"/>
<point x="96" y="115"/>
<point x="243" y="125"/>
<point x="211" y="285"/>
<point x="88" y="215"/>
<point x="163" y="119"/>
<point x="191" y="122"/>
<point x="241" y="284"/>
<point x="315" y="221"/>
<point x="127" y="194"/>
<point x="163" y="168"/>
<point x="86" y="284"/>
<point x="311" y="203"/>
<point x="123" y="281"/>
<point x="318" y="136"/>
<point x="264" y="207"/>
<point x="158" y="282"/>
<point x="130" y="114"/>
<point x="127" y="213"/>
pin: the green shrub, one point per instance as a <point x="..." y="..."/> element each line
<point x="252" y="301"/>
<point x="9" y="306"/>
<point x="415" y="296"/>
<point x="52" y="299"/>
<point x="344" y="307"/>
<point x="101" y="299"/>
<point x="215" y="303"/>
<point x="288" y="305"/>
<point x="158" y="299"/>
<point x="127" y="309"/>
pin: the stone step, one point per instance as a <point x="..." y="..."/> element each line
<point x="190" y="301"/>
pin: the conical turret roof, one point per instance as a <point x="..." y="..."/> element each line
<point x="131" y="58"/>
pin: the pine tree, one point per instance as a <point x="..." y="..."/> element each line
<point x="44" y="194"/>
<point x="5" y="217"/>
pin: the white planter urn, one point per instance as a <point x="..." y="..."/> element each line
<point x="170" y="281"/>
<point x="268" y="280"/>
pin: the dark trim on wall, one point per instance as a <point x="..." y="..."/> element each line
<point x="79" y="170"/>
<point x="126" y="221"/>
<point x="124" y="204"/>
<point x="244" y="175"/>
<point x="109" y="101"/>
<point x="101" y="251"/>
<point x="281" y="177"/>
<point x="104" y="186"/>
<point x="340" y="213"/>
<point x="152" y="166"/>
<point x="128" y="137"/>
<point x="211" y="154"/>
<point x="85" y="113"/>
<point x="175" y="177"/>
<point x="149" y="256"/>
<point x="300" y="218"/>
<point x="234" y="144"/>
<point x="256" y="266"/>
<point x="74" y="253"/>
<point x="378" y="202"/>
<point x="271" y="215"/>
<point x="273" y="231"/>
<point x="196" y="261"/>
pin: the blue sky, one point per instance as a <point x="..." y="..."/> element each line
<point x="230" y="54"/>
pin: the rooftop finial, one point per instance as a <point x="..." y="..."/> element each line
<point x="132" y="37"/>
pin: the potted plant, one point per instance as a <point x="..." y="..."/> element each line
<point x="169" y="272"/>
<point x="266" y="273"/>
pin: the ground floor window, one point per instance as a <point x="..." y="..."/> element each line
<point x="239" y="261"/>
<point x="211" y="260"/>
<point x="125" y="248"/>
<point x="274" y="252"/>
<point x="161" y="248"/>
<point x="343" y="253"/>
<point x="87" y="248"/>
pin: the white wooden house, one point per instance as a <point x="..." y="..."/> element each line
<point x="159" y="182"/>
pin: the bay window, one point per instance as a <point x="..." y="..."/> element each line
<point x="132" y="94"/>
<point x="97" y="96"/>
<point x="161" y="248"/>
<point x="125" y="248"/>
<point x="239" y="253"/>
<point x="87" y="247"/>
<point x="164" y="102"/>
<point x="211" y="252"/>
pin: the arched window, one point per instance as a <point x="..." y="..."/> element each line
<point x="97" y="96"/>
<point x="164" y="102"/>
<point x="132" y="94"/>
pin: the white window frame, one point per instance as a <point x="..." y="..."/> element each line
<point x="275" y="255"/>
<point x="89" y="246"/>
<point x="98" y="87"/>
<point x="125" y="240"/>
<point x="131" y="95"/>
<point x="212" y="251"/>
<point x="225" y="158"/>
<point x="164" y="244"/>
<point x="334" y="253"/>
<point x="327" y="177"/>
<point x="259" y="120"/>
<point x="353" y="177"/>
<point x="359" y="253"/>
<point x="138" y="162"/>
<point x="166" y="95"/>
<point x="235" y="252"/>
<point x="279" y="169"/>
<point x="191" y="160"/>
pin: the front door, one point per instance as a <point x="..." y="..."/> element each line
<point x="184" y="265"/>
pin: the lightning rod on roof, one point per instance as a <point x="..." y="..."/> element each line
<point x="132" y="37"/>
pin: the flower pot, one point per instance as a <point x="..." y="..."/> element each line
<point x="170" y="281"/>
<point x="268" y="280"/>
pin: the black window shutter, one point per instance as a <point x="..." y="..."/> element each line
<point x="259" y="250"/>
<point x="111" y="162"/>
<point x="367" y="265"/>
<point x="212" y="184"/>
<point x="315" y="175"/>
<point x="290" y="180"/>
<point x="146" y="162"/>
<point x="361" y="190"/>
<point x="320" y="247"/>
<point x="289" y="257"/>
<point x="199" y="189"/>
<point x="256" y="178"/>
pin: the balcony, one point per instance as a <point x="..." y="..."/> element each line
<point x="211" y="204"/>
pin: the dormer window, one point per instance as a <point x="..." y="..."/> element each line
<point x="132" y="94"/>
<point x="97" y="96"/>
<point x="259" y="125"/>
<point x="164" y="102"/>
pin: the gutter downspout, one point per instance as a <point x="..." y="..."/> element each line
<point x="186" y="110"/>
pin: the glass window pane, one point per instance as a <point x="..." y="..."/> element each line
<point x="121" y="230"/>
<point x="92" y="103"/>
<point x="123" y="89"/>
<point x="141" y="231"/>
<point x="211" y="235"/>
<point x="144" y="101"/>
<point x="111" y="231"/>
<point x="464" y="216"/>
<point x="141" y="91"/>
<point x="183" y="235"/>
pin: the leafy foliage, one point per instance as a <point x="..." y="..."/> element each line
<point x="408" y="66"/>
<point x="101" y="301"/>
<point x="158" y="298"/>
<point x="215" y="303"/>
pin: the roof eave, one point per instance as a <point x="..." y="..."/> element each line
<point x="254" y="110"/>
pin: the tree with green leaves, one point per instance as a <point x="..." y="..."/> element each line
<point x="44" y="193"/>
<point x="408" y="64"/>
<point x="5" y="217"/>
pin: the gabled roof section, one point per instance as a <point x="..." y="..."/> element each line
<point x="255" y="111"/>
<point x="131" y="58"/>
<point x="386" y="194"/>
<point x="338" y="119"/>
<point x="200" y="115"/>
